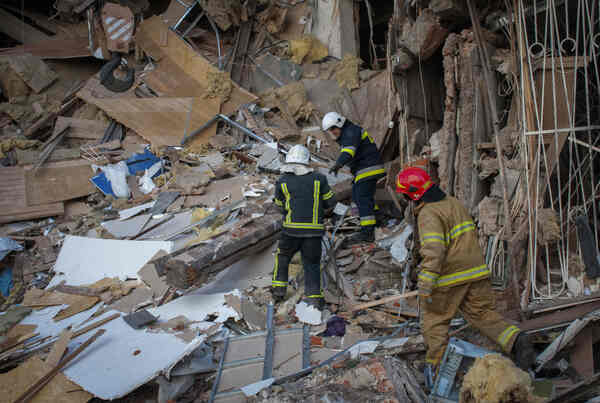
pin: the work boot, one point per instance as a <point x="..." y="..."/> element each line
<point x="523" y="352"/>
<point x="366" y="234"/>
<point x="315" y="302"/>
<point x="380" y="219"/>
<point x="278" y="293"/>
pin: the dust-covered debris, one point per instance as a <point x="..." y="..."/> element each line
<point x="494" y="378"/>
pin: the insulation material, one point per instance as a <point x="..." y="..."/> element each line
<point x="548" y="226"/>
<point x="11" y="144"/>
<point x="307" y="49"/>
<point x="219" y="85"/>
<point x="294" y="97"/>
<point x="495" y="379"/>
<point x="86" y="260"/>
<point x="118" y="24"/>
<point x="347" y="72"/>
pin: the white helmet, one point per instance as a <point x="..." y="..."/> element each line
<point x="333" y="119"/>
<point x="298" y="154"/>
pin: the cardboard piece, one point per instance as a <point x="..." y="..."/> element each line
<point x="54" y="183"/>
<point x="59" y="389"/>
<point x="84" y="260"/>
<point x="13" y="203"/>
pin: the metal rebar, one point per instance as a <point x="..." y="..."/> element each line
<point x="215" y="387"/>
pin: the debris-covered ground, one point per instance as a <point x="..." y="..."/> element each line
<point x="140" y="144"/>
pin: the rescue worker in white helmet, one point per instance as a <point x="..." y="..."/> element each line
<point x="360" y="153"/>
<point x="303" y="196"/>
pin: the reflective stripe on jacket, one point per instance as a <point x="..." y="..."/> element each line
<point x="303" y="199"/>
<point x="449" y="245"/>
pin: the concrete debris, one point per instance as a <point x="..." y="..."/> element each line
<point x="175" y="230"/>
<point x="308" y="314"/>
<point x="419" y="40"/>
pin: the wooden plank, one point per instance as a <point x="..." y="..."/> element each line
<point x="52" y="48"/>
<point x="19" y="30"/>
<point x="59" y="348"/>
<point x="36" y="74"/>
<point x="13" y="202"/>
<point x="384" y="300"/>
<point x="162" y="121"/>
<point x="28" y="157"/>
<point x="81" y="128"/>
<point x="582" y="355"/>
<point x="187" y="61"/>
<point x="54" y="184"/>
<point x="560" y="317"/>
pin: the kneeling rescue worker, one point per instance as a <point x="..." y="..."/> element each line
<point x="453" y="274"/>
<point x="360" y="153"/>
<point x="303" y="196"/>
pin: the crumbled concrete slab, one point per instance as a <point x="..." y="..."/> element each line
<point x="308" y="314"/>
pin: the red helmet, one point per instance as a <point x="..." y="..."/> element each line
<point x="413" y="182"/>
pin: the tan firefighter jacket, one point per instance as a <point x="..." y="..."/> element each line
<point x="449" y="246"/>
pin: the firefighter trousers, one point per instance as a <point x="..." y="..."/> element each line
<point x="363" y="194"/>
<point x="310" y="250"/>
<point x="475" y="302"/>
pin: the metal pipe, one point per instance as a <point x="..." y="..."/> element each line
<point x="214" y="27"/>
<point x="269" y="342"/>
<point x="215" y="387"/>
<point x="226" y="119"/>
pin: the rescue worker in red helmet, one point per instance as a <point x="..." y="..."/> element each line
<point x="453" y="274"/>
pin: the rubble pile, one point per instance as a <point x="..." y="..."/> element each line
<point x="140" y="144"/>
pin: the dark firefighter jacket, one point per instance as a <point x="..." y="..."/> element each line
<point x="303" y="198"/>
<point x="359" y="152"/>
<point x="449" y="246"/>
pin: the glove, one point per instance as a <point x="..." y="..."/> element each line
<point x="334" y="169"/>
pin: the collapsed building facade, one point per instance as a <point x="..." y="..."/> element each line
<point x="498" y="101"/>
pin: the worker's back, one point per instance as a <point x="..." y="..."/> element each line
<point x="447" y="232"/>
<point x="304" y="199"/>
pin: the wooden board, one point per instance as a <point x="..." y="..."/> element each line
<point x="13" y="205"/>
<point x="59" y="389"/>
<point x="52" y="48"/>
<point x="193" y="70"/>
<point x="81" y="128"/>
<point x="30" y="157"/>
<point x="161" y="121"/>
<point x="51" y="184"/>
<point x="19" y="30"/>
<point x="36" y="74"/>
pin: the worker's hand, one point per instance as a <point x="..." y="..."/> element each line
<point x="425" y="295"/>
<point x="334" y="169"/>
